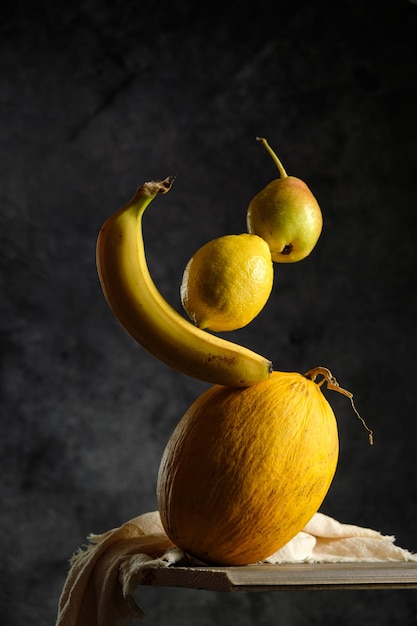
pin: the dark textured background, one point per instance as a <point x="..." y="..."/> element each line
<point x="96" y="98"/>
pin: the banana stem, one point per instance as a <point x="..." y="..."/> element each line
<point x="282" y="172"/>
<point x="154" y="187"/>
<point x="145" y="193"/>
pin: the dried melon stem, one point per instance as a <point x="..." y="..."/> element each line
<point x="333" y="385"/>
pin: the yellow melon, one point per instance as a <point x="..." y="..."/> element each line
<point x="246" y="469"/>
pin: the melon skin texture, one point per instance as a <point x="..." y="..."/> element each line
<point x="246" y="468"/>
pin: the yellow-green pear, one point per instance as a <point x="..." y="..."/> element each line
<point x="286" y="214"/>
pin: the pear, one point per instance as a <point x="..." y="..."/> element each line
<point x="286" y="214"/>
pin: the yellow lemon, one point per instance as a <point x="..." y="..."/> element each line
<point x="227" y="282"/>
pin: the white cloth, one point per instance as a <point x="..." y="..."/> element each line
<point x="325" y="540"/>
<point x="98" y="589"/>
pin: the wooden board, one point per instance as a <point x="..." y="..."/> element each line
<point x="294" y="576"/>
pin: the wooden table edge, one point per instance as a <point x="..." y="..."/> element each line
<point x="286" y="577"/>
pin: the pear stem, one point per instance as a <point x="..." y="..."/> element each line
<point x="282" y="172"/>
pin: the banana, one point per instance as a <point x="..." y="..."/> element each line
<point x="141" y="309"/>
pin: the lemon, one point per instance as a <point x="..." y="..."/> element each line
<point x="227" y="282"/>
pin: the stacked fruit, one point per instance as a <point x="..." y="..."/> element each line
<point x="252" y="459"/>
<point x="229" y="280"/>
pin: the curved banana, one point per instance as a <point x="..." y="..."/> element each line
<point x="150" y="320"/>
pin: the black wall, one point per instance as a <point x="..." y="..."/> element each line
<point x="96" y="98"/>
